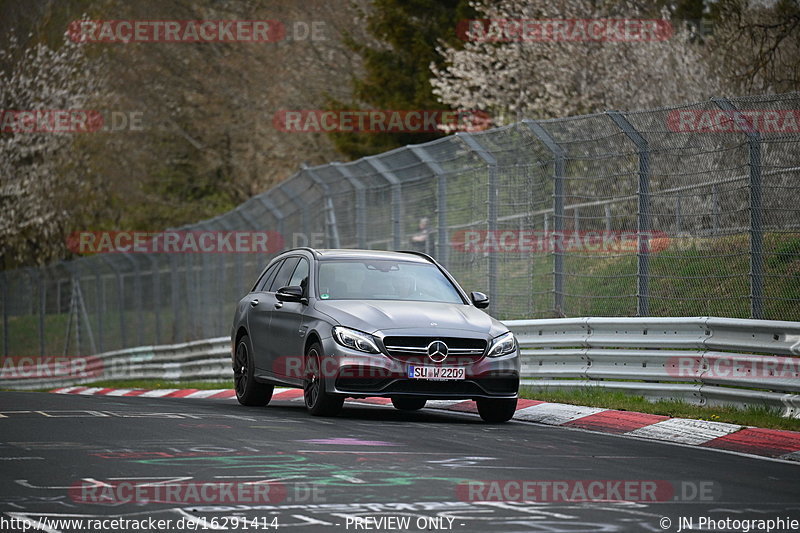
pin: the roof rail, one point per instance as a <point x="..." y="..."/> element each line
<point x="421" y="254"/>
<point x="306" y="248"/>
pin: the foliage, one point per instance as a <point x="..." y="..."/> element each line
<point x="556" y="78"/>
<point x="403" y="40"/>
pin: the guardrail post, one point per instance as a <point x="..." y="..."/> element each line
<point x="756" y="229"/>
<point x="361" y="203"/>
<point x="643" y="223"/>
<point x="491" y="209"/>
<point x="559" y="169"/>
<point x="442" y="241"/>
<point x="397" y="199"/>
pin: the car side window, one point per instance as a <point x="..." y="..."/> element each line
<point x="300" y="276"/>
<point x="284" y="273"/>
<point x="266" y="277"/>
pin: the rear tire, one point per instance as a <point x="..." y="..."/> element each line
<point x="409" y="404"/>
<point x="319" y="402"/>
<point x="248" y="390"/>
<point x="495" y="410"/>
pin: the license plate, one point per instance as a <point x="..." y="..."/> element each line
<point x="436" y="373"/>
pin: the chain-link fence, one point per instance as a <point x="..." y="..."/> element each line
<point x="684" y="211"/>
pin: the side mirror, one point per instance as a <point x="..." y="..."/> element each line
<point x="292" y="293"/>
<point x="479" y="300"/>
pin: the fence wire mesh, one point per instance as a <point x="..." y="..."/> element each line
<point x="612" y="214"/>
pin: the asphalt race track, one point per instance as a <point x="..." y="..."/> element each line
<point x="373" y="468"/>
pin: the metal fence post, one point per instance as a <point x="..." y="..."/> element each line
<point x="4" y="280"/>
<point x="361" y="203"/>
<point x="442" y="241"/>
<point x="643" y="223"/>
<point x="99" y="295"/>
<point x="120" y="299"/>
<point x="269" y="205"/>
<point x="397" y="199"/>
<point x="42" y="309"/>
<point x="177" y="318"/>
<point x="714" y="209"/>
<point x="156" y="277"/>
<point x="491" y="208"/>
<point x="756" y="229"/>
<point x="137" y="298"/>
<point x="331" y="229"/>
<point x="559" y="169"/>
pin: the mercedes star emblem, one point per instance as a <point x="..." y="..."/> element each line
<point x="437" y="351"/>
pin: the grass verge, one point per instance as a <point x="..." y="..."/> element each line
<point x="763" y="417"/>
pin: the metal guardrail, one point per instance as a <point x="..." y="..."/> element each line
<point x="702" y="360"/>
<point x="207" y="359"/>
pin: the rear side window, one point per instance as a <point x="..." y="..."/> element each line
<point x="284" y="273"/>
<point x="266" y="277"/>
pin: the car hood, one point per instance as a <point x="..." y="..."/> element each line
<point x="386" y="315"/>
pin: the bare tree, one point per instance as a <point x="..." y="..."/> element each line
<point x="546" y="78"/>
<point x="43" y="177"/>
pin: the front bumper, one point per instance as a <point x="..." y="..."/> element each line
<point x="357" y="374"/>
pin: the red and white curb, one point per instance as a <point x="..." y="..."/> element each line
<point x="718" y="435"/>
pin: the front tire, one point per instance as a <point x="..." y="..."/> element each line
<point x="495" y="410"/>
<point x="409" y="404"/>
<point x="319" y="402"/>
<point x="248" y="390"/>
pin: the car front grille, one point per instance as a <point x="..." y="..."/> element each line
<point x="460" y="351"/>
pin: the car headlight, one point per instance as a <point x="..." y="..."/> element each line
<point x="502" y="345"/>
<point x="356" y="340"/>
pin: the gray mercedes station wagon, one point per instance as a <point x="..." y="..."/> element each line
<point x="361" y="323"/>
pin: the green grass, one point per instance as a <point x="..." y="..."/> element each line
<point x="762" y="417"/>
<point x="690" y="277"/>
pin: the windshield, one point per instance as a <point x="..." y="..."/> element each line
<point x="381" y="279"/>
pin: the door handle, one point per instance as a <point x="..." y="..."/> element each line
<point x="253" y="303"/>
<point x="278" y="305"/>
